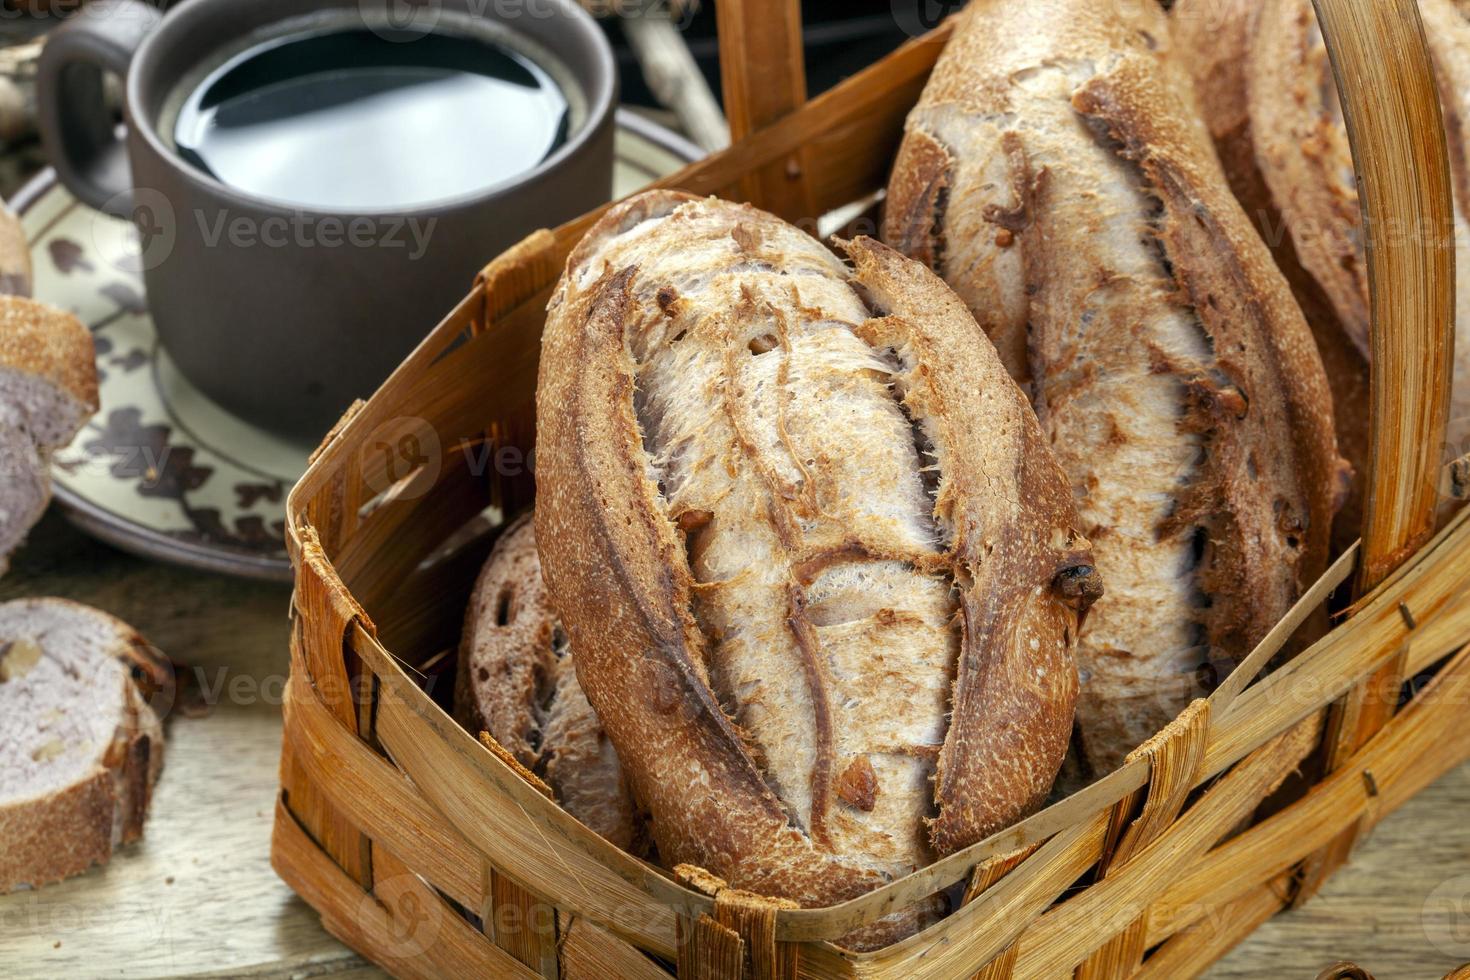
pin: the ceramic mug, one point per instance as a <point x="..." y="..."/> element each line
<point x="284" y="314"/>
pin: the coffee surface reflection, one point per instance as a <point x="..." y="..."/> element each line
<point x="352" y="120"/>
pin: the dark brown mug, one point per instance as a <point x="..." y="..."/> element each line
<point x="287" y="322"/>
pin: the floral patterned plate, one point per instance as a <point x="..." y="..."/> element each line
<point x="161" y="470"/>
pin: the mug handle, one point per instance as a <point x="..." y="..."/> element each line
<point x="77" y="130"/>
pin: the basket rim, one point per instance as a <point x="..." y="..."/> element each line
<point x="817" y="923"/>
<point x="1364" y="641"/>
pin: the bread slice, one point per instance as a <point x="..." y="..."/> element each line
<point x="80" y="744"/>
<point x="25" y="489"/>
<point x="820" y="572"/>
<point x="48" y="371"/>
<point x="516" y="681"/>
<point x="1057" y="175"/>
<point x="48" y="390"/>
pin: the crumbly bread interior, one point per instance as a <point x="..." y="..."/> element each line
<point x="781" y="445"/>
<point x="75" y="727"/>
<point x="48" y="390"/>
<point x="25" y="489"/>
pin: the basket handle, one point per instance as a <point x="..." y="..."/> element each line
<point x="762" y="71"/>
<point x="763" y="78"/>
<point x="1391" y="104"/>
<point x="1390" y="101"/>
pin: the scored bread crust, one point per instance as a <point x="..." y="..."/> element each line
<point x="58" y="829"/>
<point x="1290" y="163"/>
<point x="665" y="636"/>
<point x="1214" y="39"/>
<point x="1302" y="149"/>
<point x="516" y="681"/>
<point x="1056" y="173"/>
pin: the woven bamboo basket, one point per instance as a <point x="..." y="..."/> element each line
<point x="433" y="854"/>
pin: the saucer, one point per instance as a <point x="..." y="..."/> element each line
<point x="161" y="470"/>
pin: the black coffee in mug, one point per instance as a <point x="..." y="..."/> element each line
<point x="293" y="280"/>
<point x="351" y="119"/>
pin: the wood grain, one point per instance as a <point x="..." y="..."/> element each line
<point x="197" y="894"/>
<point x="763" y="78"/>
<point x="1396" y="129"/>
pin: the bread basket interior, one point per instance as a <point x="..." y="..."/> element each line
<point x="400" y="506"/>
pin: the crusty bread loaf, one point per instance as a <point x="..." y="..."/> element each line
<point x="1266" y="87"/>
<point x="80" y="743"/>
<point x="1056" y="174"/>
<point x="48" y="390"/>
<point x="1213" y="39"/>
<point x="515" y="680"/>
<point x="821" y="573"/>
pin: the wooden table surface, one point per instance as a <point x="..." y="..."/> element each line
<point x="197" y="896"/>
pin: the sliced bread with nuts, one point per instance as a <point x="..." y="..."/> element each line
<point x="48" y="372"/>
<point x="81" y="744"/>
<point x="25" y="489"/>
<point x="516" y="681"/>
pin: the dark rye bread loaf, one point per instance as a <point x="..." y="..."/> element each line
<point x="1266" y="88"/>
<point x="515" y="680"/>
<point x="820" y="572"/>
<point x="1055" y="173"/>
